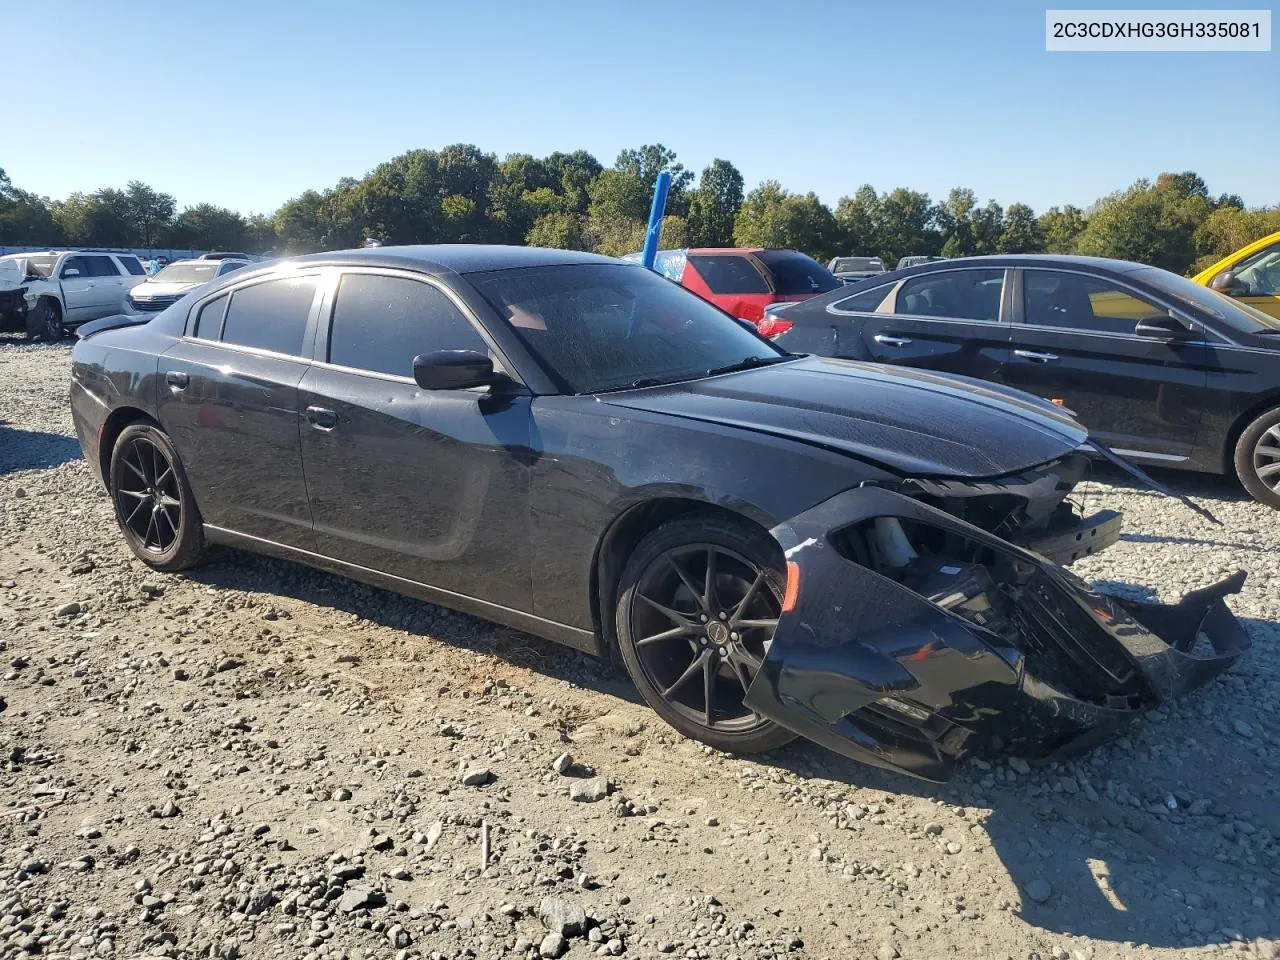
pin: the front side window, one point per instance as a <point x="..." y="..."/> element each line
<point x="79" y="264"/>
<point x="381" y="323"/>
<point x="729" y="274"/>
<point x="1259" y="273"/>
<point x="598" y="327"/>
<point x="1072" y="300"/>
<point x="953" y="295"/>
<point x="271" y="315"/>
<point x="228" y="266"/>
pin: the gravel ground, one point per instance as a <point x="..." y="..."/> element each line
<point x="259" y="760"/>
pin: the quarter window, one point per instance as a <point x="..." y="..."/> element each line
<point x="953" y="294"/>
<point x="209" y="319"/>
<point x="729" y="274"/>
<point x="865" y="302"/>
<point x="381" y="323"/>
<point x="1076" y="301"/>
<point x="271" y="316"/>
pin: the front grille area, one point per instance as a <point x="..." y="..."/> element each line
<point x="153" y="304"/>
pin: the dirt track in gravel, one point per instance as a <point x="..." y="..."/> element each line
<point x="250" y="760"/>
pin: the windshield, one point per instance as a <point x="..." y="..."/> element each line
<point x="857" y="265"/>
<point x="598" y="327"/>
<point x="36" y="265"/>
<point x="1237" y="315"/>
<point x="199" y="271"/>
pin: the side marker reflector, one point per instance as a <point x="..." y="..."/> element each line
<point x="792" y="592"/>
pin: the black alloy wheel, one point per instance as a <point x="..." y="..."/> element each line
<point x="153" y="500"/>
<point x="696" y="617"/>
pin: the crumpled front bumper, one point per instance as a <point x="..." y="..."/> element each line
<point x="1021" y="657"/>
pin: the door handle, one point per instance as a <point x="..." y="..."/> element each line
<point x="889" y="341"/>
<point x="177" y="380"/>
<point x="322" y="418"/>
<point x="1036" y="357"/>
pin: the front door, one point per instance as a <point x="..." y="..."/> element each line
<point x="229" y="399"/>
<point x="79" y="290"/>
<point x="1074" y="342"/>
<point x="431" y="486"/>
<point x="950" y="321"/>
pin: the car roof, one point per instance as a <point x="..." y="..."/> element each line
<point x="453" y="257"/>
<point x="1027" y="260"/>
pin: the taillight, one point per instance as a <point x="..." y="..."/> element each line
<point x="773" y="327"/>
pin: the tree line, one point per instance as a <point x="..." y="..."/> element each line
<point x="571" y="200"/>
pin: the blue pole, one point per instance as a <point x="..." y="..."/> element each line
<point x="656" y="213"/>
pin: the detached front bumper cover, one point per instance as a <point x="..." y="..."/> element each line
<point x="1004" y="651"/>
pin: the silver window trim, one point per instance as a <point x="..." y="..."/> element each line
<point x="230" y="290"/>
<point x="897" y="289"/>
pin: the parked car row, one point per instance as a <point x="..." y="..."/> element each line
<point x="773" y="544"/>
<point x="52" y="293"/>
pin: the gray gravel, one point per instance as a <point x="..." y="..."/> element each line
<point x="258" y="760"/>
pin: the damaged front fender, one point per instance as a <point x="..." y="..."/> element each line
<point x="910" y="639"/>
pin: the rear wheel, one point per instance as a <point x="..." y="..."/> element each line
<point x="154" y="504"/>
<point x="698" y="603"/>
<point x="1257" y="458"/>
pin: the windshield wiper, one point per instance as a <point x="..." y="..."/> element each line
<point x="746" y="363"/>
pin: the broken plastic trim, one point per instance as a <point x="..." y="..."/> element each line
<point x="1067" y="669"/>
<point x="1142" y="477"/>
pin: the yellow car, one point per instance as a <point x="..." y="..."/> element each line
<point x="1251" y="275"/>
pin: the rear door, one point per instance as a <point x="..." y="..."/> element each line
<point x="1075" y="343"/>
<point x="428" y="485"/>
<point x="229" y="399"/>
<point x="953" y="321"/>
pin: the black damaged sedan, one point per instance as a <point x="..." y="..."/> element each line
<point x="572" y="446"/>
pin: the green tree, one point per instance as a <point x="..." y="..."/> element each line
<point x="1148" y="223"/>
<point x="772" y="217"/>
<point x="149" y="211"/>
<point x="1022" y="232"/>
<point x="562" y="230"/>
<point x="714" y="205"/>
<point x="99" y="219"/>
<point x="905" y="226"/>
<point x="955" y="222"/>
<point x="858" y="222"/>
<point x="1061" y="228"/>
<point x="646" y="162"/>
<point x="25" y="218"/>
<point x="209" y="227"/>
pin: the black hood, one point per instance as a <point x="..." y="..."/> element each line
<point x="911" y="421"/>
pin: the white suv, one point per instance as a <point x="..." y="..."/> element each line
<point x="62" y="289"/>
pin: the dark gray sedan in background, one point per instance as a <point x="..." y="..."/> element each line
<point x="578" y="448"/>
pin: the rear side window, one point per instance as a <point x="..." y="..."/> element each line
<point x="132" y="265"/>
<point x="103" y="267"/>
<point x="271" y="315"/>
<point x="953" y="294"/>
<point x="381" y="323"/>
<point x="209" y="319"/>
<point x="227" y="266"/>
<point x="729" y="274"/>
<point x="795" y="274"/>
<point x="867" y="301"/>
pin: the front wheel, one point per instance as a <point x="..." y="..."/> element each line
<point x="153" y="501"/>
<point x="698" y="603"/>
<point x="1257" y="458"/>
<point x="45" y="322"/>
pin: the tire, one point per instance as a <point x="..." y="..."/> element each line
<point x="153" y="501"/>
<point x="662" y="636"/>
<point x="1257" y="458"/>
<point x="45" y="321"/>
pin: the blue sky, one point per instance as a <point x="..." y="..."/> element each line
<point x="247" y="104"/>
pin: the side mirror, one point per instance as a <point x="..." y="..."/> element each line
<point x="70" y="272"/>
<point x="1226" y="282"/>
<point x="1162" y="327"/>
<point x="453" y="370"/>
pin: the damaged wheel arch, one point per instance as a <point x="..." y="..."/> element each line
<point x="910" y="639"/>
